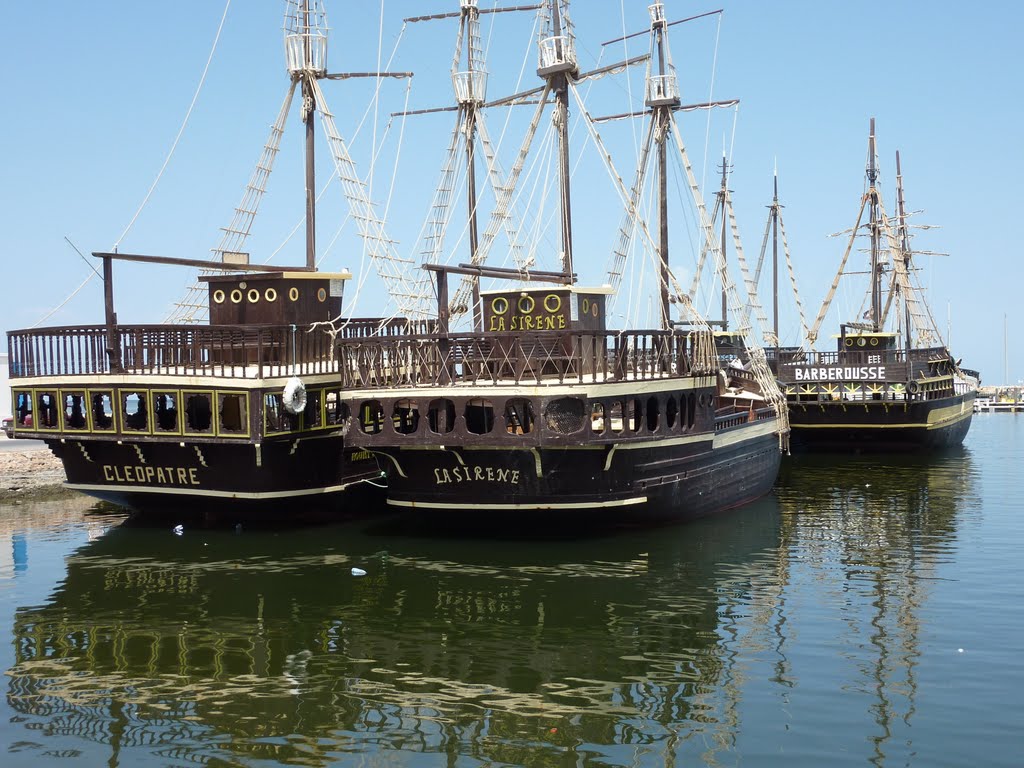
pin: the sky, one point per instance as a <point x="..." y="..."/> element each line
<point x="89" y="125"/>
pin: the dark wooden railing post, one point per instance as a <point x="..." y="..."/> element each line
<point x="110" y="317"/>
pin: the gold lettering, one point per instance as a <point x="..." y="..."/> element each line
<point x="478" y="473"/>
<point x="561" y="322"/>
<point x="490" y="473"/>
<point x="160" y="475"/>
<point x="182" y="476"/>
<point x="437" y="476"/>
<point x="150" y="474"/>
<point x="107" y="473"/>
<point x="192" y="475"/>
<point x="515" y="475"/>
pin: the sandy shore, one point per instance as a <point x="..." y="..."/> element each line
<point x="33" y="472"/>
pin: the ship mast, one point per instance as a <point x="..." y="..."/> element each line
<point x="904" y="244"/>
<point x="874" y="225"/>
<point x="306" y="54"/>
<point x="723" y="195"/>
<point x="662" y="96"/>
<point x="558" y="64"/>
<point x="774" y="215"/>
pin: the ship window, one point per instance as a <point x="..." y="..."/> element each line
<point x="165" y="412"/>
<point x="615" y="416"/>
<point x="441" y="416"/>
<point x="46" y="410"/>
<point x="518" y="416"/>
<point x="565" y="415"/>
<point x="597" y="418"/>
<point x="102" y="408"/>
<point x="406" y="417"/>
<point x="671" y="411"/>
<point x="313" y="415"/>
<point x="634" y="413"/>
<point x="74" y="410"/>
<point x="198" y="412"/>
<point x="479" y="416"/>
<point x="134" y="412"/>
<point x="232" y="412"/>
<point x="371" y="417"/>
<point x="653" y="412"/>
<point x="276" y="418"/>
<point x="23" y="409"/>
<point x="337" y="411"/>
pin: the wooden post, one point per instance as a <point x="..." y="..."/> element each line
<point x="110" y="317"/>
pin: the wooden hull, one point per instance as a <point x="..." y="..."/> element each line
<point x="654" y="480"/>
<point x="912" y="426"/>
<point x="280" y="479"/>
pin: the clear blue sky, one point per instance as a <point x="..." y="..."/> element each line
<point x="95" y="95"/>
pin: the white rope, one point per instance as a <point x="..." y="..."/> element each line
<point x="69" y="298"/>
<point x="181" y="130"/>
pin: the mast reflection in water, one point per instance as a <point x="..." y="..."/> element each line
<point x="704" y="641"/>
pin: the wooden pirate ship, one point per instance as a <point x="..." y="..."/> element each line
<point x="542" y="406"/>
<point x="890" y="383"/>
<point x="239" y="416"/>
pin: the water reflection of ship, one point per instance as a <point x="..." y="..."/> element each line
<point x="870" y="531"/>
<point x="442" y="641"/>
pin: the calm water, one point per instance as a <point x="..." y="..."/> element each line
<point x="869" y="612"/>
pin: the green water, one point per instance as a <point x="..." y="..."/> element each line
<point x="868" y="612"/>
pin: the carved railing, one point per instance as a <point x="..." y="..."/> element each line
<point x="537" y="358"/>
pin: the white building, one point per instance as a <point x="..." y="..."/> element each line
<point x="5" y="388"/>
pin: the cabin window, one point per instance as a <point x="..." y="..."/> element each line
<point x="23" y="409"/>
<point x="276" y="418"/>
<point x="74" y="410"/>
<point x="47" y="410"/>
<point x="134" y="412"/>
<point x="441" y="416"/>
<point x="671" y="411"/>
<point x="232" y="412"/>
<point x="335" y="407"/>
<point x="371" y="417"/>
<point x="406" y="417"/>
<point x="653" y="412"/>
<point x="615" y="417"/>
<point x="565" y="415"/>
<point x="597" y="418"/>
<point x="479" y="416"/>
<point x="165" y="412"/>
<point x="198" y="412"/>
<point x="313" y="415"/>
<point x="101" y="407"/>
<point x="518" y="416"/>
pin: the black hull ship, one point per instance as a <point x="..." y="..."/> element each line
<point x="237" y="418"/>
<point x="891" y="384"/>
<point x="541" y="410"/>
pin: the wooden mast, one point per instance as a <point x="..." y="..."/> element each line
<point x="904" y="246"/>
<point x="873" y="224"/>
<point x="662" y="116"/>
<point x="724" y="193"/>
<point x="775" y="262"/>
<point x="308" y="108"/>
<point x="470" y="18"/>
<point x="564" y="66"/>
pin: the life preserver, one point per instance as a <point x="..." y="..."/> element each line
<point x="913" y="387"/>
<point x="294" y="396"/>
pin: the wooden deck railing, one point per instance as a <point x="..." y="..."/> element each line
<point x="188" y="350"/>
<point x="486" y="359"/>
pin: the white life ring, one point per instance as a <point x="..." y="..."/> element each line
<point x="294" y="395"/>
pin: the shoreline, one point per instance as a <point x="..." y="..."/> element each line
<point x="34" y="473"/>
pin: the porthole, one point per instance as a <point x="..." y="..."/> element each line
<point x="293" y="293"/>
<point x="526" y="304"/>
<point x="253" y="296"/>
<point x="236" y="296"/>
<point x="270" y="294"/>
<point x="218" y="296"/>
<point x="499" y="305"/>
<point x="552" y="303"/>
<point x="849" y="342"/>
<point x="862" y="342"/>
<point x="874" y="341"/>
<point x="321" y="294"/>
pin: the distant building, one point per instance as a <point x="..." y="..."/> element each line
<point x="5" y="389"/>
